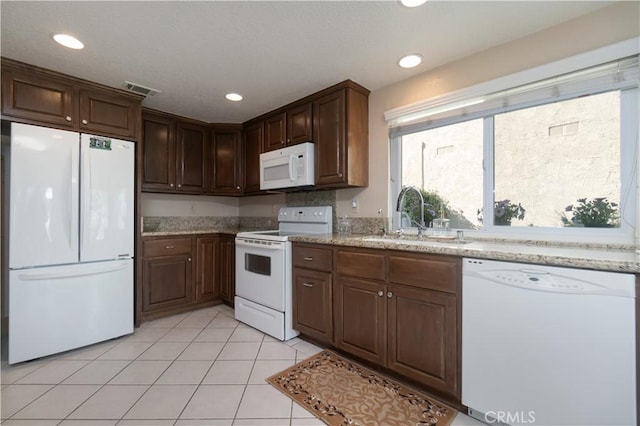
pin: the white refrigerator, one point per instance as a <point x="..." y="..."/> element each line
<point x="71" y="233"/>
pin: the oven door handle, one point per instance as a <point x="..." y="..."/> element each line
<point x="276" y="246"/>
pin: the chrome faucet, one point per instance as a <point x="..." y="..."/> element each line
<point x="421" y="225"/>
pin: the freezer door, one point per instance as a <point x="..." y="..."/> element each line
<point x="43" y="196"/>
<point x="56" y="309"/>
<point x="107" y="198"/>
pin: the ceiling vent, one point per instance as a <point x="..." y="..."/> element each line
<point x="140" y="89"/>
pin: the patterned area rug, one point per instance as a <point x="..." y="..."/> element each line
<point x="341" y="392"/>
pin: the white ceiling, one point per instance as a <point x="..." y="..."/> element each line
<point x="270" y="52"/>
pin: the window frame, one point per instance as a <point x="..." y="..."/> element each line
<point x="626" y="233"/>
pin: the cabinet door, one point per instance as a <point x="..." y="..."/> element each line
<point x="159" y="153"/>
<point x="274" y="132"/>
<point x="360" y="318"/>
<point x="329" y="137"/>
<point x="167" y="282"/>
<point x="225" y="166"/>
<point x="312" y="304"/>
<point x="31" y="97"/>
<point x="423" y="336"/>
<point x="227" y="269"/>
<point x="206" y="269"/>
<point x="253" y="136"/>
<point x="106" y="113"/>
<point x="192" y="151"/>
<point x="299" y="124"/>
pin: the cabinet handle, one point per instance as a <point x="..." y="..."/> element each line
<point x="170" y="247"/>
<point x="389" y="294"/>
<point x="288" y="140"/>
<point x="85" y="122"/>
<point x="381" y="293"/>
<point x="308" y="258"/>
<point x="179" y="185"/>
<point x="308" y="285"/>
<point x="189" y="259"/>
<point x="171" y="185"/>
<point x="68" y="118"/>
<point x="339" y="175"/>
<point x="238" y="188"/>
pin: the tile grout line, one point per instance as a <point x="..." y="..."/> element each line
<point x="55" y="385"/>
<point x="208" y="370"/>
<point x="165" y="370"/>
<point x="235" y="415"/>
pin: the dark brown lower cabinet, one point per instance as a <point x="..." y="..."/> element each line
<point x="361" y="318"/>
<point x="227" y="277"/>
<point x="422" y="336"/>
<point x="182" y="273"/>
<point x="207" y="269"/>
<point x="168" y="282"/>
<point x="400" y="312"/>
<point x="312" y="298"/>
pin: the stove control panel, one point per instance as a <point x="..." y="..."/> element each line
<point x="318" y="214"/>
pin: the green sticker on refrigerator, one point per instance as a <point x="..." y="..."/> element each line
<point x="100" y="143"/>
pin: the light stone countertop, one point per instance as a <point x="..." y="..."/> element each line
<point x="233" y="231"/>
<point x="587" y="257"/>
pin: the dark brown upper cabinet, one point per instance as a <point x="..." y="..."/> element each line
<point x="192" y="150"/>
<point x="336" y="120"/>
<point x="253" y="140"/>
<point x="103" y="112"/>
<point x="37" y="96"/>
<point x="341" y="135"/>
<point x="225" y="167"/>
<point x="175" y="154"/>
<point x="289" y="127"/>
<point x="159" y="152"/>
<point x="299" y="124"/>
<point x="275" y="132"/>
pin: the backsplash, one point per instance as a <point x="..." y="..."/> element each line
<point x="187" y="223"/>
<point x="359" y="225"/>
<point x="258" y="223"/>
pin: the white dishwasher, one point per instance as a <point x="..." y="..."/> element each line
<point x="548" y="345"/>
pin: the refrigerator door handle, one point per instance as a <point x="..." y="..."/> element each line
<point x="85" y="187"/>
<point x="35" y="276"/>
<point x="74" y="204"/>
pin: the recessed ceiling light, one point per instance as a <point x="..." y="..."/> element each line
<point x="412" y="3"/>
<point x="410" y="61"/>
<point x="68" y="41"/>
<point x="233" y="97"/>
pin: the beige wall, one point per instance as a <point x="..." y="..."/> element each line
<point x="188" y="205"/>
<point x="609" y="25"/>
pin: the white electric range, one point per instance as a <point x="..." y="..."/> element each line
<point x="264" y="271"/>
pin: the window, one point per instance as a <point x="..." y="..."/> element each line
<point x="446" y="163"/>
<point x="548" y="165"/>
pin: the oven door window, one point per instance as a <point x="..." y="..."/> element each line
<point x="257" y="264"/>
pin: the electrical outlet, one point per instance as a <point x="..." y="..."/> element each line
<point x="355" y="207"/>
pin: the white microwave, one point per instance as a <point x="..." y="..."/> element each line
<point x="288" y="167"/>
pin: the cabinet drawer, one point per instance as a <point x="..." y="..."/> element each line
<point x="167" y="247"/>
<point x="312" y="258"/>
<point x="425" y="272"/>
<point x="364" y="264"/>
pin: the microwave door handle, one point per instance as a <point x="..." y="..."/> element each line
<point x="292" y="178"/>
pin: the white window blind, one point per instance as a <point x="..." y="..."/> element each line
<point x="619" y="74"/>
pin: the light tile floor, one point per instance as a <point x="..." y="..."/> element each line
<point x="198" y="368"/>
